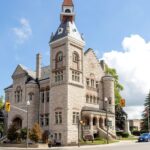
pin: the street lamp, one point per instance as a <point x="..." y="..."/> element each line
<point x="80" y="122"/>
<point x="148" y="119"/>
<point x="106" y="102"/>
<point x="28" y="104"/>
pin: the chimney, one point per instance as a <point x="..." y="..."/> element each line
<point x="38" y="65"/>
<point x="102" y="63"/>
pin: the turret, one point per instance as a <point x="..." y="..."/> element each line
<point x="108" y="93"/>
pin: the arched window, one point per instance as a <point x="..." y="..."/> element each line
<point x="91" y="99"/>
<point x="31" y="96"/>
<point x="18" y="94"/>
<point x="87" y="99"/>
<point x="59" y="60"/>
<point x="75" y="60"/>
<point x="67" y="11"/>
<point x="110" y="100"/>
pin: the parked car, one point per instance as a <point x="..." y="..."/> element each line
<point x="145" y="137"/>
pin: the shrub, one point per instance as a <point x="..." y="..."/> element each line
<point x="23" y="133"/>
<point x="125" y="135"/>
<point x="119" y="133"/>
<point x="136" y="133"/>
<point x="13" y="135"/>
<point x="35" y="134"/>
<point x="122" y="134"/>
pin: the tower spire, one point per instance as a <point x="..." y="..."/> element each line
<point x="67" y="3"/>
<point x="67" y="11"/>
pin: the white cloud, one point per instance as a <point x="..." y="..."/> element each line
<point x="23" y="32"/>
<point x="134" y="112"/>
<point x="132" y="65"/>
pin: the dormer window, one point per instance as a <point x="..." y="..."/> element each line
<point x="67" y="11"/>
<point x="60" y="31"/>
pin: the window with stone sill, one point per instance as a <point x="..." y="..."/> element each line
<point x="18" y="94"/>
<point x="92" y="83"/>
<point x="42" y="120"/>
<point x="98" y="101"/>
<point x="58" y="117"/>
<point x="87" y="82"/>
<point x="75" y="60"/>
<point x="75" y="117"/>
<point x="31" y="96"/>
<point x="46" y="119"/>
<point x="59" y="60"/>
<point x="47" y="96"/>
<point x="87" y="99"/>
<point x="91" y="100"/>
<point x="57" y="136"/>
<point x="58" y="76"/>
<point x="94" y="100"/>
<point x="110" y="100"/>
<point x="76" y="76"/>
<point x="97" y="84"/>
<point x="42" y="97"/>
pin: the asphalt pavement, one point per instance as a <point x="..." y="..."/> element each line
<point x="123" y="145"/>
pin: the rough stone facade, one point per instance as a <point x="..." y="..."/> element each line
<point x="71" y="89"/>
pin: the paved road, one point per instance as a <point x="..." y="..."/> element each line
<point x="126" y="145"/>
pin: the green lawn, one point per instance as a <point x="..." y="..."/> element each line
<point x="129" y="138"/>
<point x="97" y="142"/>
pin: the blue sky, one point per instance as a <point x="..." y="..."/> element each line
<point x="104" y="23"/>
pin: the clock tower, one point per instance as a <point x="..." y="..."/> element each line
<point x="66" y="77"/>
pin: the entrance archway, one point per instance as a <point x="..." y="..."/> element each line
<point x="101" y="122"/>
<point x="17" y="122"/>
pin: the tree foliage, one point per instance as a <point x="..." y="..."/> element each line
<point x="118" y="87"/>
<point x="12" y="133"/>
<point x="23" y="133"/>
<point x="1" y="102"/>
<point x="35" y="133"/>
<point x="145" y="112"/>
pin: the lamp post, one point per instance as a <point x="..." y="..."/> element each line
<point x="28" y="104"/>
<point x="80" y="122"/>
<point x="106" y="102"/>
<point x="148" y="120"/>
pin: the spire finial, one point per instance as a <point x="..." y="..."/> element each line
<point x="67" y="3"/>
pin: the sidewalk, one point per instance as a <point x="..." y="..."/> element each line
<point x="44" y="146"/>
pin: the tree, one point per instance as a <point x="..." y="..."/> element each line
<point x="1" y="102"/>
<point x="12" y="133"/>
<point x="146" y="113"/>
<point x="35" y="134"/>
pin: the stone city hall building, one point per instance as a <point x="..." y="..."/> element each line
<point x="72" y="87"/>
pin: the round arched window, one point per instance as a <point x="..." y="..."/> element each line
<point x="67" y="11"/>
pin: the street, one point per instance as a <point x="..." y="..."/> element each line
<point x="125" y="145"/>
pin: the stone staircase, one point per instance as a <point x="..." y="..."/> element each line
<point x="102" y="132"/>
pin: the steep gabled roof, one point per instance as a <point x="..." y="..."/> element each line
<point x="26" y="70"/>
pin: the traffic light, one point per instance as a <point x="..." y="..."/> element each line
<point x="122" y="103"/>
<point x="7" y="106"/>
